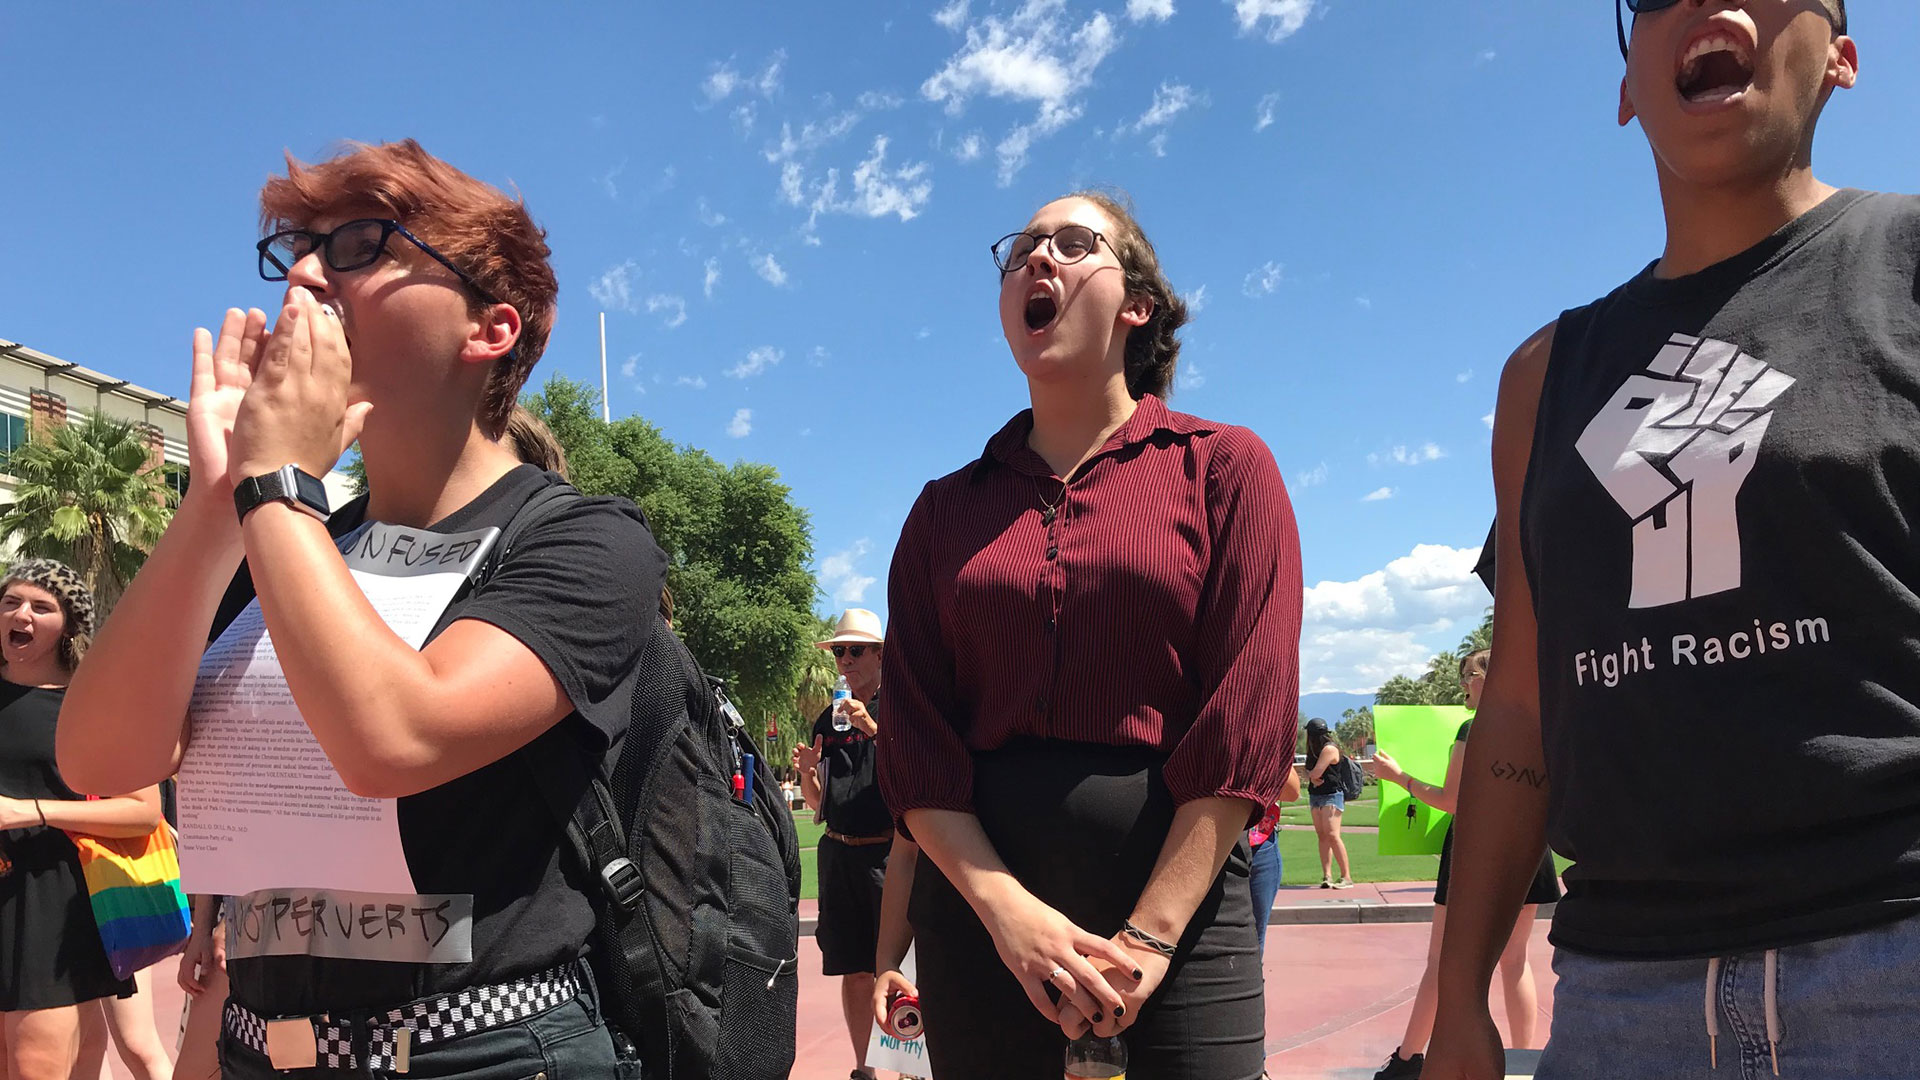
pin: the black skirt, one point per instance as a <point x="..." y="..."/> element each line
<point x="50" y="950"/>
<point x="1081" y="827"/>
<point x="1545" y="888"/>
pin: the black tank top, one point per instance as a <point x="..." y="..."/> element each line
<point x="1719" y="530"/>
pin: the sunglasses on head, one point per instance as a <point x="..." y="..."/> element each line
<point x="858" y="651"/>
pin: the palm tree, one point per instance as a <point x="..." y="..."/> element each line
<point x="88" y="498"/>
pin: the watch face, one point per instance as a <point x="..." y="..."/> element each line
<point x="309" y="489"/>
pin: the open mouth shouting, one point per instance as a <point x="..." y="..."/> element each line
<point x="1716" y="67"/>
<point x="1042" y="307"/>
<point x="19" y="639"/>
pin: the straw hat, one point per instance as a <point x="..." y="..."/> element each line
<point x="857" y="627"/>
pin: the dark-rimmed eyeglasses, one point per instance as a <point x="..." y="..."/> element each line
<point x="355" y="245"/>
<point x="857" y="651"/>
<point x="1642" y="7"/>
<point x="1071" y="243"/>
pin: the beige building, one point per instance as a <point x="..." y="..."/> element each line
<point x="35" y="387"/>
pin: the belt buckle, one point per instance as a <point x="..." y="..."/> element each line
<point x="293" y="1044"/>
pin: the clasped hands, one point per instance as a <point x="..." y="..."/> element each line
<point x="1072" y="977"/>
<point x="261" y="399"/>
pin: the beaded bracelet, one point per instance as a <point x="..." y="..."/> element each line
<point x="1147" y="939"/>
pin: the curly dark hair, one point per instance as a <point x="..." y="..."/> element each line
<point x="1153" y="350"/>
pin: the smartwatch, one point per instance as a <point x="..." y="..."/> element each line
<point x="286" y="484"/>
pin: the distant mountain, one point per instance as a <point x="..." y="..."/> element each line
<point x="1328" y="707"/>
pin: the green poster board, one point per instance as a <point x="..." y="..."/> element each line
<point x="1419" y="737"/>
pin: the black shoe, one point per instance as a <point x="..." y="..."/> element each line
<point x="1399" y="1068"/>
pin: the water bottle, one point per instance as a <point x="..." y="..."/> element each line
<point x="842" y="693"/>
<point x="1096" y="1055"/>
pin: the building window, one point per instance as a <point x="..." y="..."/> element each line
<point x="12" y="435"/>
<point x="177" y="477"/>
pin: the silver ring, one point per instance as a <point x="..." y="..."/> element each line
<point x="1056" y="973"/>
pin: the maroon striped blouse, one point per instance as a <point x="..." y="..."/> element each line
<point x="1157" y="604"/>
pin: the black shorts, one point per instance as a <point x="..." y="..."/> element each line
<point x="850" y="880"/>
<point x="1545" y="888"/>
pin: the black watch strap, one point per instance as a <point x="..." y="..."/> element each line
<point x="288" y="484"/>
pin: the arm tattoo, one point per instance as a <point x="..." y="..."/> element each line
<point x="1520" y="774"/>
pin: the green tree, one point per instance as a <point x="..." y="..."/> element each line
<point x="89" y="498"/>
<point x="737" y="549"/>
<point x="1355" y="729"/>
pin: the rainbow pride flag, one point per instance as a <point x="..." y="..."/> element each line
<point x="137" y="901"/>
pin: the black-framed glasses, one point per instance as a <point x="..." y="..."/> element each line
<point x="857" y="651"/>
<point x="1642" y="7"/>
<point x="1071" y="243"/>
<point x="355" y="245"/>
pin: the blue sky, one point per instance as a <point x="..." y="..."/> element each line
<point x="785" y="209"/>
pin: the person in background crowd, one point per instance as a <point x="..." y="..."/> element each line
<point x="203" y="975"/>
<point x="1517" y="987"/>
<point x="838" y="782"/>
<point x="1327" y="801"/>
<point x="1092" y="678"/>
<point x="1265" y="869"/>
<point x="1706" y="496"/>
<point x="52" y="962"/>
<point x="418" y="300"/>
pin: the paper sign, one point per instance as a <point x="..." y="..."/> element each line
<point x="908" y="1057"/>
<point x="261" y="806"/>
<point x="1420" y="737"/>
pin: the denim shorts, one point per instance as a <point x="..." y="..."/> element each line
<point x="1844" y="1009"/>
<point x="1337" y="800"/>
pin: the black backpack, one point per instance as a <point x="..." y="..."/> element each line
<point x="1351" y="778"/>
<point x="696" y="892"/>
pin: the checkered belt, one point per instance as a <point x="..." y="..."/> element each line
<point x="433" y="1020"/>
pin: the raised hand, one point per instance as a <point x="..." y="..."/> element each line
<point x="222" y="372"/>
<point x="296" y="410"/>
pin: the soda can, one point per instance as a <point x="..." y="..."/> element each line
<point x="904" y="1018"/>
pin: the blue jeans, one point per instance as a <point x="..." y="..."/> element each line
<point x="1337" y="800"/>
<point x="1846" y="1009"/>
<point x="1265" y="881"/>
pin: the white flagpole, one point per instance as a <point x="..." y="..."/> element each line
<point x="606" y="408"/>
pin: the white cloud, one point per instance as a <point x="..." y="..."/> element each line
<point x="721" y="83"/>
<point x="817" y="356"/>
<point x="1464" y="376"/>
<point x="1357" y="634"/>
<point x="614" y="289"/>
<point x="1158" y="144"/>
<point x="632" y="365"/>
<point x="692" y="382"/>
<point x="1263" y="112"/>
<point x="743" y="116"/>
<point x="969" y="148"/>
<point x="757" y="361"/>
<point x="741" y="425"/>
<point x="607" y="180"/>
<point x="1377" y="495"/>
<point x="1191" y="377"/>
<point x="953" y="16"/>
<point x="724" y="80"/>
<point x="1157" y="10"/>
<point x="1365" y="302"/>
<point x="840" y="573"/>
<point x="1196" y="300"/>
<point x="711" y="278"/>
<point x="768" y="82"/>
<point x="811" y="137"/>
<point x="1276" y="20"/>
<point x="878" y="101"/>
<point x="674" y="308"/>
<point x="769" y="269"/>
<point x="708" y="216"/>
<point x="1263" y="279"/>
<point x="1488" y="420"/>
<point x="877" y="190"/>
<point x="1408" y="455"/>
<point x="1313" y="477"/>
<point x="1169" y="101"/>
<point x="1487" y="57"/>
<point x="1034" y="56"/>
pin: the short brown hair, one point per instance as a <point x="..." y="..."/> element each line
<point x="1480" y="660"/>
<point x="1153" y="349"/>
<point x="478" y="227"/>
<point x="533" y="442"/>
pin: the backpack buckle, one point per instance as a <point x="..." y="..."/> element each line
<point x="621" y="881"/>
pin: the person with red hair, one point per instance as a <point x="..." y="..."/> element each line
<point x="418" y="299"/>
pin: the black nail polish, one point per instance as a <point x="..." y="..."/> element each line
<point x="1098" y="1016"/>
<point x="1138" y="974"/>
<point x="1119" y="1011"/>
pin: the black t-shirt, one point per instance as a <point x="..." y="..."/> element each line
<point x="578" y="589"/>
<point x="852" y="800"/>
<point x="27" y="771"/>
<point x="1718" y="529"/>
